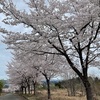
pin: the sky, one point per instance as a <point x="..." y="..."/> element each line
<point x="5" y="57"/>
<point x="5" y="54"/>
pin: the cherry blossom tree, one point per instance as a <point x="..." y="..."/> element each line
<point x="71" y="28"/>
<point x="47" y="65"/>
<point x="32" y="65"/>
<point x="22" y="75"/>
<point x="16" y="76"/>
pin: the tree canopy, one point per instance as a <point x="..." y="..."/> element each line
<point x="69" y="29"/>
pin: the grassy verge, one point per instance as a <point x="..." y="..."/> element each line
<point x="58" y="94"/>
<point x="55" y="94"/>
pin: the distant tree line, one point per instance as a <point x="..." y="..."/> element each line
<point x="1" y="86"/>
<point x="75" y="87"/>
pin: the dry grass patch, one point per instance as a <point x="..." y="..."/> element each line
<point x="62" y="95"/>
<point x="59" y="94"/>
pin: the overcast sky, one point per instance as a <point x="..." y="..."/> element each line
<point x="5" y="55"/>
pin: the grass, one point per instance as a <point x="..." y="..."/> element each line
<point x="59" y="94"/>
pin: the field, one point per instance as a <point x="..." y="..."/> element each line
<point x="58" y="94"/>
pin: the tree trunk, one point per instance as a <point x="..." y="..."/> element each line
<point x="88" y="89"/>
<point x="34" y="85"/>
<point x="22" y="91"/>
<point x="29" y="89"/>
<point x="48" y="89"/>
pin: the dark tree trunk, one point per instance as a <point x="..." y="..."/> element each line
<point x="29" y="89"/>
<point x="88" y="89"/>
<point x="83" y="76"/>
<point x="48" y="86"/>
<point x="48" y="89"/>
<point x="34" y="85"/>
<point x="22" y="90"/>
